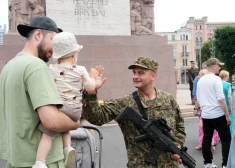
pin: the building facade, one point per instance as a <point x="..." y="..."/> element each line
<point x="187" y="42"/>
<point x="3" y="30"/>
<point x="181" y="42"/>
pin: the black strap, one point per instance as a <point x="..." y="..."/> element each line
<point x="139" y="104"/>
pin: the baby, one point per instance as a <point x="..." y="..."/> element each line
<point x="71" y="79"/>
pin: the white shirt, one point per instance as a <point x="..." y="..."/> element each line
<point x="209" y="92"/>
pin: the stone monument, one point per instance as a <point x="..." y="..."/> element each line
<point x="91" y="17"/>
<point x="22" y="11"/>
<point x="112" y="32"/>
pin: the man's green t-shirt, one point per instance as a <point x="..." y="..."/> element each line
<point x="26" y="83"/>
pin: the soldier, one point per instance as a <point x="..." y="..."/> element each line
<point x="156" y="103"/>
<point x="192" y="73"/>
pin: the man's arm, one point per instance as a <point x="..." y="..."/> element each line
<point x="190" y="78"/>
<point x="196" y="107"/>
<point x="100" y="114"/>
<point x="195" y="86"/>
<point x="222" y="104"/>
<point x="230" y="99"/>
<point x="220" y="99"/>
<point x="55" y="120"/>
<point x="96" y="113"/>
<point x="179" y="122"/>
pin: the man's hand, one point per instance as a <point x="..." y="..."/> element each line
<point x="176" y="158"/>
<point x="228" y="120"/>
<point x="100" y="79"/>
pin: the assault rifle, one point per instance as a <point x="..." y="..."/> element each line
<point x="157" y="131"/>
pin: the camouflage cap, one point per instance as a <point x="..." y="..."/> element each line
<point x="145" y="63"/>
<point x="214" y="61"/>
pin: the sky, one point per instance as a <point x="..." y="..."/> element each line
<point x="171" y="14"/>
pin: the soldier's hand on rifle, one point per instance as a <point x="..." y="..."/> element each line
<point x="176" y="158"/>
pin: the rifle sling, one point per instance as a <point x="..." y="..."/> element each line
<point x="139" y="104"/>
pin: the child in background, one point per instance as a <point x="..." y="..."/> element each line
<point x="71" y="79"/>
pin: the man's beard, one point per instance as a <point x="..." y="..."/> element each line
<point x="42" y="54"/>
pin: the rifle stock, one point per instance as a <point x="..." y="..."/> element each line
<point x="157" y="131"/>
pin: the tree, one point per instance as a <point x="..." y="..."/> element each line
<point x="225" y="43"/>
<point x="207" y="51"/>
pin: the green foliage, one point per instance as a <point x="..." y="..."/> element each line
<point x="206" y="50"/>
<point x="225" y="43"/>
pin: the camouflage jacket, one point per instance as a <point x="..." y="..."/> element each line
<point x="163" y="106"/>
<point x="192" y="73"/>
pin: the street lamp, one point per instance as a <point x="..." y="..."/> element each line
<point x="199" y="47"/>
<point x="200" y="56"/>
<point x="212" y="49"/>
<point x="184" y="63"/>
<point x="199" y="50"/>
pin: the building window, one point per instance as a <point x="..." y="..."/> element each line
<point x="185" y="62"/>
<point x="200" y="27"/>
<point x="173" y="37"/>
<point x="174" y="48"/>
<point x="183" y="37"/>
<point x="175" y="62"/>
<point x="186" y="37"/>
<point x="197" y="42"/>
<point x="184" y="50"/>
<point x="200" y="41"/>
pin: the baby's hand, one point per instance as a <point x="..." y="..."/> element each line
<point x="93" y="73"/>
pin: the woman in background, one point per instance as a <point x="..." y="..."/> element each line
<point x="229" y="96"/>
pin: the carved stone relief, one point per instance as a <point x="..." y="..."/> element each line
<point x="22" y="11"/>
<point x="142" y="17"/>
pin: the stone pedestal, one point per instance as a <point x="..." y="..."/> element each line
<point x="115" y="54"/>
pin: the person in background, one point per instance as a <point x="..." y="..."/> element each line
<point x="215" y="116"/>
<point x="204" y="66"/>
<point x="192" y="73"/>
<point x="229" y="96"/>
<point x="215" y="138"/>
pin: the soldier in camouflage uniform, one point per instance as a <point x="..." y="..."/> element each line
<point x="156" y="103"/>
<point x="192" y="74"/>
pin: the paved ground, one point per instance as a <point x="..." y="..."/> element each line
<point x="114" y="152"/>
<point x="184" y="101"/>
<point x="183" y="96"/>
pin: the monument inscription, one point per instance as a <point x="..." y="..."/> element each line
<point x="89" y="9"/>
<point x="91" y="17"/>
